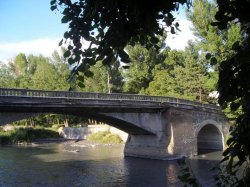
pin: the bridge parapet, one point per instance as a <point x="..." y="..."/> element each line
<point x="16" y="92"/>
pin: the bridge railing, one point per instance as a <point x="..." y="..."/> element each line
<point x="101" y="96"/>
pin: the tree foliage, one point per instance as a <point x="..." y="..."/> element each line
<point x="6" y="77"/>
<point x="140" y="72"/>
<point x="177" y="76"/>
<point x="109" y="26"/>
<point x="234" y="86"/>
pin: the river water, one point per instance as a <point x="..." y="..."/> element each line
<point x="64" y="165"/>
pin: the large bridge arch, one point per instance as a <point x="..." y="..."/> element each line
<point x="209" y="137"/>
<point x="126" y="123"/>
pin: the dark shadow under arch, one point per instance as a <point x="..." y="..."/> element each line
<point x="209" y="139"/>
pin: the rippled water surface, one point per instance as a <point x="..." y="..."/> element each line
<point x="64" y="165"/>
<point x="61" y="165"/>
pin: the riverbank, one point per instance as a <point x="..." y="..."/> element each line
<point x="77" y="144"/>
<point x="72" y="143"/>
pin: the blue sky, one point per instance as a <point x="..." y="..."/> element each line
<point x="29" y="26"/>
<point x="28" y="20"/>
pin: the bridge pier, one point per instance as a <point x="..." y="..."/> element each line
<point x="180" y="135"/>
<point x="149" y="146"/>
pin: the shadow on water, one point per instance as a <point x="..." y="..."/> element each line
<point x="202" y="165"/>
<point x="57" y="165"/>
<point x="206" y="151"/>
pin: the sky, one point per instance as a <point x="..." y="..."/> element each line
<point x="30" y="27"/>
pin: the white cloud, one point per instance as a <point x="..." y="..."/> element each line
<point x="39" y="46"/>
<point x="46" y="46"/>
<point x="180" y="40"/>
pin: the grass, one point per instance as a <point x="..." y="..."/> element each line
<point x="26" y="135"/>
<point x="104" y="137"/>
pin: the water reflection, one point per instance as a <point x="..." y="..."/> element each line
<point x="61" y="165"/>
<point x="202" y="166"/>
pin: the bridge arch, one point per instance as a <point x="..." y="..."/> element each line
<point x="209" y="137"/>
<point x="118" y="121"/>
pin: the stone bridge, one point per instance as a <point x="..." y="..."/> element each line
<point x="158" y="127"/>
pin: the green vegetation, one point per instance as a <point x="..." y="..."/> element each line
<point x="122" y="31"/>
<point x="104" y="137"/>
<point x="19" y="135"/>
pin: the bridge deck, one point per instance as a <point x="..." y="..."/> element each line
<point x="24" y="99"/>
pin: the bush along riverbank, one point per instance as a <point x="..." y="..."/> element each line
<point x="104" y="137"/>
<point x="23" y="135"/>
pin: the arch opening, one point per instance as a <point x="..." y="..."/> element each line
<point x="209" y="139"/>
<point x="120" y="124"/>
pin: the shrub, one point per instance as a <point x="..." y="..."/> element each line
<point x="104" y="137"/>
<point x="26" y="135"/>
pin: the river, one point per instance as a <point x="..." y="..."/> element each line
<point x="95" y="166"/>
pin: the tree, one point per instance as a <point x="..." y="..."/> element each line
<point x="19" y="65"/>
<point x="179" y="76"/>
<point x="109" y="26"/>
<point x="99" y="81"/>
<point x="211" y="39"/>
<point x="140" y="72"/>
<point x="6" y="77"/>
<point x="105" y="79"/>
<point x="62" y="69"/>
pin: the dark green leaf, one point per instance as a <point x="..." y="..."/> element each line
<point x="66" y="54"/>
<point x="154" y="40"/>
<point x="71" y="61"/>
<point x="227" y="151"/>
<point x="80" y="78"/>
<point x="172" y="30"/>
<point x="52" y="2"/>
<point x="70" y="47"/>
<point x="224" y="159"/>
<point x="208" y="56"/>
<point x="234" y="106"/>
<point x="213" y="61"/>
<point x="52" y="8"/>
<point x="60" y="43"/>
<point x="107" y="60"/>
<point x="236" y="45"/>
<point x="124" y="56"/>
<point x="77" y="58"/>
<point x="81" y="85"/>
<point x="65" y="19"/>
<point x="66" y="35"/>
<point x="230" y="140"/>
<point x="125" y="67"/>
<point x="88" y="74"/>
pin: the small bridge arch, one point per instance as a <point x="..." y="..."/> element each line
<point x="209" y="137"/>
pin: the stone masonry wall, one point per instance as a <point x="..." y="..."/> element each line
<point x="83" y="132"/>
